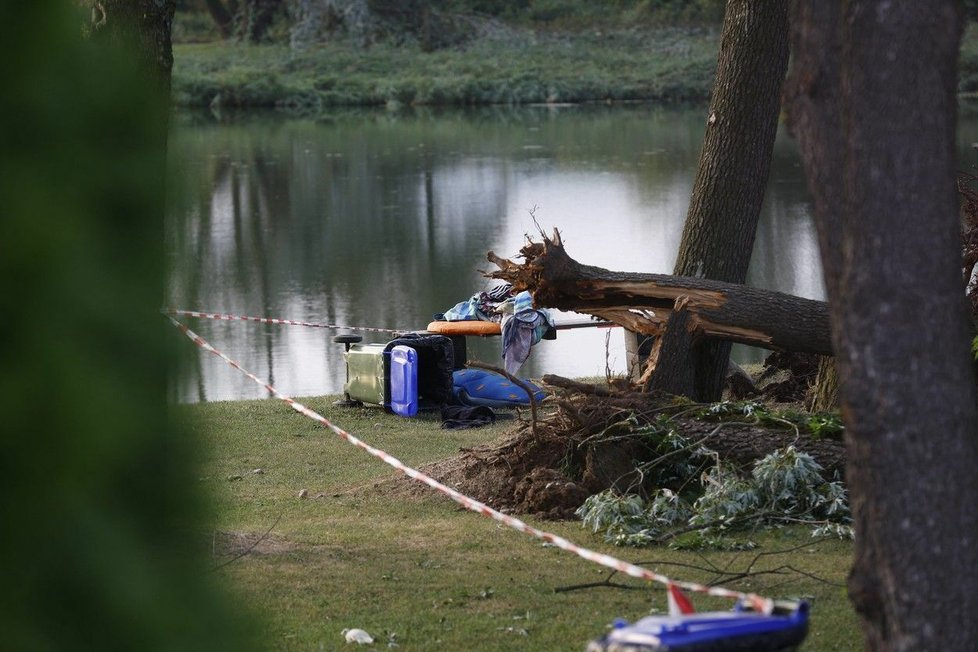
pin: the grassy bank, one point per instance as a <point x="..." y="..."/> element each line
<point x="414" y="569"/>
<point x="534" y="62"/>
<point x="662" y="65"/>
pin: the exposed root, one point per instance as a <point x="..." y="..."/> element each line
<point x="593" y="438"/>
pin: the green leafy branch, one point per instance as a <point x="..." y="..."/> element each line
<point x="820" y="426"/>
<point x="784" y="487"/>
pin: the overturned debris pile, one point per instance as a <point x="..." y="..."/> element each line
<point x="595" y="438"/>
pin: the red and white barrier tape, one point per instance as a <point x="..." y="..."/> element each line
<point x="272" y="320"/>
<point x="764" y="605"/>
<point x="560" y="326"/>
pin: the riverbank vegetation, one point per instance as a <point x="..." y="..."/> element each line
<point x="324" y="538"/>
<point x="519" y="52"/>
<point x="677" y="65"/>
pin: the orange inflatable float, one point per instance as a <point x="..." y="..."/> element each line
<point x="468" y="327"/>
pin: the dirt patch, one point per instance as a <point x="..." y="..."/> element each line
<point x="234" y="544"/>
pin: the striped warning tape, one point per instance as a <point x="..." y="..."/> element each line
<point x="271" y="320"/>
<point x="560" y="326"/>
<point x="764" y="605"/>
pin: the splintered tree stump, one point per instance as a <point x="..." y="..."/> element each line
<point x="675" y="368"/>
<point x="643" y="303"/>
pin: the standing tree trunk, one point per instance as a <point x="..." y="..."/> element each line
<point x="144" y="27"/>
<point x="255" y="18"/>
<point x="731" y="177"/>
<point x="872" y="101"/>
<point x="223" y="16"/>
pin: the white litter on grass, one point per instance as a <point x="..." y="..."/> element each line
<point x="357" y="636"/>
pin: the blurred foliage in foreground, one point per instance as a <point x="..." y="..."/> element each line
<point x="100" y="523"/>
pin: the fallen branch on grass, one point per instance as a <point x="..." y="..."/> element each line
<point x="247" y="550"/>
<point x="721" y="576"/>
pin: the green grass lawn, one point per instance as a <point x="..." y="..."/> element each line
<point x="415" y="569"/>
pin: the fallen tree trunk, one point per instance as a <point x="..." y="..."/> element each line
<point x="643" y="303"/>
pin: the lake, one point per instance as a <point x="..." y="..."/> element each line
<point x="381" y="219"/>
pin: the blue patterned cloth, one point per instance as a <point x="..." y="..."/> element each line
<point x="483" y="306"/>
<point x="466" y="311"/>
<point x="522" y="324"/>
<point x="523" y="327"/>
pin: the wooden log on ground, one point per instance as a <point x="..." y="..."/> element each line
<point x="644" y="302"/>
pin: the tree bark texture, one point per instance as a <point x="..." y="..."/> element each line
<point x="825" y="392"/>
<point x="675" y="372"/>
<point x="142" y="26"/>
<point x="872" y="102"/>
<point x="728" y="190"/>
<point x="644" y="303"/>
<point x="731" y="177"/>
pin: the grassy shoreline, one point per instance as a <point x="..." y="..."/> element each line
<point x="411" y="566"/>
<point x="664" y="64"/>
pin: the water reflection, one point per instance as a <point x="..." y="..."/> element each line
<point x="381" y="219"/>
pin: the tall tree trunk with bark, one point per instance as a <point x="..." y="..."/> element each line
<point x="142" y="26"/>
<point x="872" y="101"/>
<point x="731" y="178"/>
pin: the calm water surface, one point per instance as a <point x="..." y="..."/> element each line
<point x="381" y="219"/>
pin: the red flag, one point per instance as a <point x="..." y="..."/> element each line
<point x="679" y="604"/>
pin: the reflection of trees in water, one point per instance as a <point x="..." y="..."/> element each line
<point x="243" y="202"/>
<point x="365" y="195"/>
<point x="373" y="227"/>
<point x="786" y="249"/>
<point x="263" y="220"/>
<point x="219" y="244"/>
<point x="781" y="236"/>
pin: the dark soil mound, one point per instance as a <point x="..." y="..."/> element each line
<point x="522" y="475"/>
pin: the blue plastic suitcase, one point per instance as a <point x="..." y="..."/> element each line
<point x="404" y="381"/>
